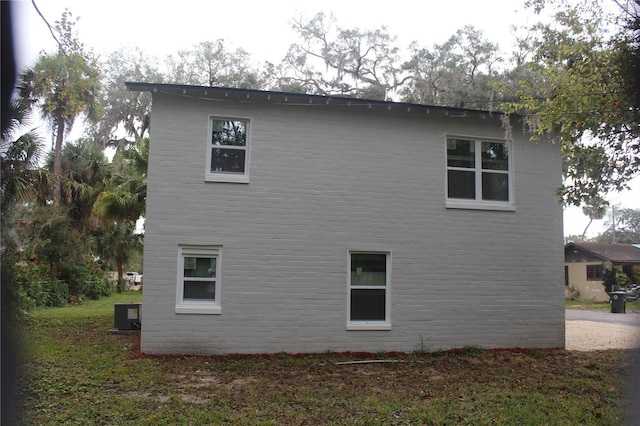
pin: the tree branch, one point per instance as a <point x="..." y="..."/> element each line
<point x="48" y="26"/>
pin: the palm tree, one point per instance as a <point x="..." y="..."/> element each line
<point x="121" y="204"/>
<point x="84" y="174"/>
<point x="21" y="178"/>
<point x="595" y="209"/>
<point x="126" y="193"/>
<point x="63" y="86"/>
<point x="117" y="241"/>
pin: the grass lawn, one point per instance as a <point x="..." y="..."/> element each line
<point x="76" y="372"/>
<point x="600" y="306"/>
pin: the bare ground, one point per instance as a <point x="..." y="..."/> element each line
<point x="594" y="336"/>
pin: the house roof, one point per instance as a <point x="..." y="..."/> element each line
<point x="314" y="101"/>
<point x="618" y="253"/>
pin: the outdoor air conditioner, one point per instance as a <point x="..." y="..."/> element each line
<point x="127" y="316"/>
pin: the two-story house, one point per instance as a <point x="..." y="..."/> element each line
<point x="300" y="223"/>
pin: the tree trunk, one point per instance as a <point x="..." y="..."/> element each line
<point x="57" y="162"/>
<point x="584" y="233"/>
<point x="120" y="267"/>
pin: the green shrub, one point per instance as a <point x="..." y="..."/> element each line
<point x="53" y="294"/>
<point x="15" y="299"/>
<point x="98" y="288"/>
<point x="38" y="287"/>
<point x="614" y="279"/>
<point x="85" y="280"/>
<point x="76" y="275"/>
<point x="121" y="285"/>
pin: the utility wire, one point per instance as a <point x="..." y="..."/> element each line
<point x="48" y="26"/>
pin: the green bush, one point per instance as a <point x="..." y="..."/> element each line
<point x="53" y="294"/>
<point x="635" y="273"/>
<point x="614" y="279"/>
<point x="15" y="299"/>
<point x="36" y="286"/>
<point x="76" y="276"/>
<point x="85" y="280"/>
<point x="98" y="288"/>
<point x="121" y="285"/>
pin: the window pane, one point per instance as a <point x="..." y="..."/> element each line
<point x="461" y="184"/>
<point x="594" y="272"/>
<point x="495" y="156"/>
<point x="227" y="160"/>
<point x="199" y="290"/>
<point x="495" y="186"/>
<point x="369" y="269"/>
<point x="368" y="305"/>
<point x="461" y="153"/>
<point x="201" y="267"/>
<point x="229" y="132"/>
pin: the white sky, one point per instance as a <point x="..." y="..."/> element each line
<point x="263" y="29"/>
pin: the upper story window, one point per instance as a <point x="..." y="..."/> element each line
<point x="479" y="174"/>
<point x="228" y="150"/>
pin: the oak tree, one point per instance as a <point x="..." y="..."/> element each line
<point x="586" y="94"/>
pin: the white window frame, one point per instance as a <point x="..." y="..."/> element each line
<point x="198" y="306"/>
<point x="211" y="176"/>
<point x="370" y="325"/>
<point x="478" y="203"/>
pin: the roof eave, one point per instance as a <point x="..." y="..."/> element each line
<point x="289" y="98"/>
<point x="583" y="247"/>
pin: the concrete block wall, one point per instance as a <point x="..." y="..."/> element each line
<point x="325" y="181"/>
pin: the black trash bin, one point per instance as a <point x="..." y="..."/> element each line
<point x="618" y="302"/>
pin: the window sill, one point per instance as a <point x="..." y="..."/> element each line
<point x="198" y="309"/>
<point x="226" y="178"/>
<point x="369" y="326"/>
<point x="480" y="205"/>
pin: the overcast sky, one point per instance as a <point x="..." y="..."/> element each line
<point x="263" y="29"/>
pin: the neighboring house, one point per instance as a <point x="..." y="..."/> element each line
<point x="586" y="262"/>
<point x="299" y="223"/>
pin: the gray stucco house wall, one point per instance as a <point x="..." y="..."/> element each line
<point x="344" y="203"/>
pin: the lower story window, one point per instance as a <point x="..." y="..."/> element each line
<point x="369" y="280"/>
<point x="198" y="289"/>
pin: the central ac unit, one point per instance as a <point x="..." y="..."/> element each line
<point x="127" y="316"/>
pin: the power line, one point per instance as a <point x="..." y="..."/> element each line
<point x="48" y="26"/>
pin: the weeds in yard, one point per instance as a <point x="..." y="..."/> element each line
<point x="76" y="372"/>
<point x="471" y="350"/>
<point x="423" y="345"/>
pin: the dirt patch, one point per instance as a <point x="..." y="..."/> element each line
<point x="595" y="336"/>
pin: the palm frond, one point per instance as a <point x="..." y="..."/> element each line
<point x="117" y="205"/>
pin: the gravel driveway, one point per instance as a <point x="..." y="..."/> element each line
<point x="600" y="330"/>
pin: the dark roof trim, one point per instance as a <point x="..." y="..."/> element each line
<point x="285" y="98"/>
<point x="616" y="253"/>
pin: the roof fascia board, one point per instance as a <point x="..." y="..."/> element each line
<point x="287" y="98"/>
